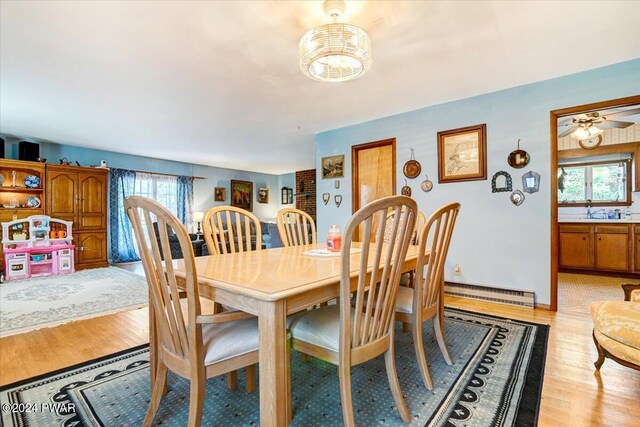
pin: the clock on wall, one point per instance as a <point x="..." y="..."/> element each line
<point x="590" y="143"/>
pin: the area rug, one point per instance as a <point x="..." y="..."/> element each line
<point x="495" y="380"/>
<point x="40" y="302"/>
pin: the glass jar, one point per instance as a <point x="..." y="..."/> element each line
<point x="334" y="239"/>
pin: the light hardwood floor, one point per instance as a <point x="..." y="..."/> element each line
<point x="572" y="393"/>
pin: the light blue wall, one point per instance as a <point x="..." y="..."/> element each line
<point x="203" y="189"/>
<point x="495" y="243"/>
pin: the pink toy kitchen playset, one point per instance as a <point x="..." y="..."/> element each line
<point x="37" y="246"/>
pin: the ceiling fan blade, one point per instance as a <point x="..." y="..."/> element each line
<point x="567" y="132"/>
<point x="630" y="112"/>
<point x="614" y="124"/>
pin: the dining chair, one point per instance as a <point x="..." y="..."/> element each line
<point x="347" y="336"/>
<point x="228" y="229"/>
<point x="424" y="301"/>
<point x="294" y="226"/>
<point x="192" y="345"/>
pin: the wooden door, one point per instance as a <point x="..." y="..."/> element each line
<point x="92" y="212"/>
<point x="636" y="239"/>
<point x="62" y="195"/>
<point x="374" y="174"/>
<point x="612" y="251"/>
<point x="91" y="250"/>
<point x="575" y="250"/>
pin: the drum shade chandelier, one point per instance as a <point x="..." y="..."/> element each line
<point x="335" y="52"/>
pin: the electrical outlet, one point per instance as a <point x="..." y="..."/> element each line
<point x="456" y="269"/>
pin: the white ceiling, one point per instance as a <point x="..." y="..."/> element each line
<point x="218" y="83"/>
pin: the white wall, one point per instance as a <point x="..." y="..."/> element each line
<point x="495" y="243"/>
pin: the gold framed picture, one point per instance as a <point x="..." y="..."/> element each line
<point x="219" y="194"/>
<point x="263" y="195"/>
<point x="242" y="194"/>
<point x="462" y="154"/>
<point x="333" y="167"/>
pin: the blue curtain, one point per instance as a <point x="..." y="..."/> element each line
<point x="121" y="185"/>
<point x="185" y="199"/>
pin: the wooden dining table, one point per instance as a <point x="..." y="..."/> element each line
<point x="273" y="284"/>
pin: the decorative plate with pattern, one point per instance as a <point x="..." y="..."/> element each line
<point x="33" y="202"/>
<point x="31" y="181"/>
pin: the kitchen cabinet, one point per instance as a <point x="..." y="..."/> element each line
<point x="599" y="247"/>
<point x="80" y="195"/>
<point x="575" y="246"/>
<point x="612" y="244"/>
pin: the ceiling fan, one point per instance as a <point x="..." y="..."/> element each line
<point x="587" y="128"/>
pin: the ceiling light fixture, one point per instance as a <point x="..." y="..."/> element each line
<point x="586" y="132"/>
<point x="335" y="52"/>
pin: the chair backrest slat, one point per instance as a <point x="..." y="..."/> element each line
<point x="171" y="322"/>
<point x="376" y="290"/>
<point x="294" y="226"/>
<point x="433" y="245"/>
<point x="227" y="229"/>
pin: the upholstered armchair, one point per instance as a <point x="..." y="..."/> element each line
<point x="616" y="328"/>
<point x="174" y="244"/>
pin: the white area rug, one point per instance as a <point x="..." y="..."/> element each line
<point x="30" y="304"/>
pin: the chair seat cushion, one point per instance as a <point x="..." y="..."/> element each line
<point x="618" y="320"/>
<point x="320" y="327"/>
<point x="635" y="295"/>
<point x="404" y="303"/>
<point x="230" y="339"/>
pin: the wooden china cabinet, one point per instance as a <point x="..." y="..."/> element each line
<point x="79" y="194"/>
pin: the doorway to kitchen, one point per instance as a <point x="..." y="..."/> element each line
<point x="595" y="233"/>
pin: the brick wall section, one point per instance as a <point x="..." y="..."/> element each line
<point x="306" y="184"/>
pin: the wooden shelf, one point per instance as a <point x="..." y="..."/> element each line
<point x="21" y="190"/>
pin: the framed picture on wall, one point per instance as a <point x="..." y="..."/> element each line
<point x="220" y="194"/>
<point x="242" y="194"/>
<point x="462" y="154"/>
<point x="263" y="195"/>
<point x="333" y="167"/>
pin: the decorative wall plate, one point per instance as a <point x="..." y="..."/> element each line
<point x="412" y="168"/>
<point x="497" y="186"/>
<point x="517" y="197"/>
<point x="426" y="185"/>
<point x="518" y="158"/>
<point x="33" y="202"/>
<point x="406" y="190"/>
<point x="31" y="181"/>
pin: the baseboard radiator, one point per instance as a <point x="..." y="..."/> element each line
<point x="488" y="293"/>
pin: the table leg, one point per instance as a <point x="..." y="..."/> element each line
<point x="274" y="397"/>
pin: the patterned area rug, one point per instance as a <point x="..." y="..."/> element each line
<point x="576" y="292"/>
<point x="495" y="380"/>
<point x="31" y="304"/>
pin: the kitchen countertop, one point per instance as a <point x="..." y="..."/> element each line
<point x="596" y="221"/>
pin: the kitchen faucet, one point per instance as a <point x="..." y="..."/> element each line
<point x="591" y="214"/>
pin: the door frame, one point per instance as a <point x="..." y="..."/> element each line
<point x="554" y="116"/>
<point x="355" y="149"/>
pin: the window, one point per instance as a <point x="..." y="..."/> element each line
<point x="161" y="188"/>
<point x="595" y="183"/>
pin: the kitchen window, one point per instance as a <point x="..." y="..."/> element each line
<point x="595" y="183"/>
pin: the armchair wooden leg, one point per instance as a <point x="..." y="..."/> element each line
<point x="601" y="354"/>
<point x="250" y="378"/>
<point x="196" y="400"/>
